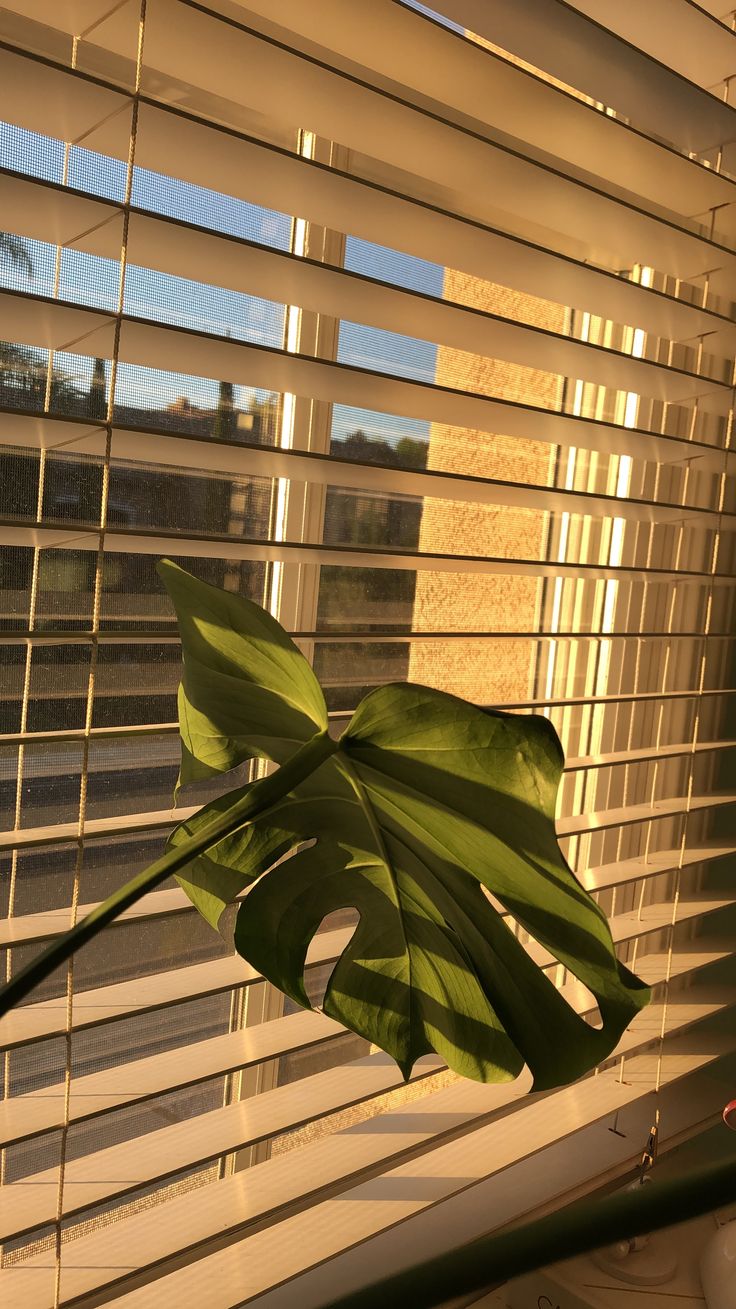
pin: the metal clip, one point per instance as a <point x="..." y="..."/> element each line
<point x="650" y="1152"/>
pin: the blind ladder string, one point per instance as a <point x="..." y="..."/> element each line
<point x="94" y="644"/>
<point x="28" y="663"/>
<point x="650" y="1151"/>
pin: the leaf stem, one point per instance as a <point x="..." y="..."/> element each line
<point x="492" y="1260"/>
<point x="258" y="799"/>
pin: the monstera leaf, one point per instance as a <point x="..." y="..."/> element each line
<point x="425" y="816"/>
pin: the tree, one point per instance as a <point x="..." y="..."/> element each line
<point x="24" y="371"/>
<point x="16" y="251"/>
<point x="266" y="415"/>
<point x="14" y="359"/>
<point x="368" y="449"/>
<point x="412" y="453"/>
<point x="96" y="405"/>
<point x="225" y="415"/>
<point x="22" y="376"/>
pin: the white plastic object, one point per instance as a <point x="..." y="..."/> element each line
<point x="643" y="1260"/>
<point x="718" y="1268"/>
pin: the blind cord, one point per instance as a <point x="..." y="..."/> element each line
<point x="94" y="645"/>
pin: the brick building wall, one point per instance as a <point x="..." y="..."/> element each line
<point x="484" y="671"/>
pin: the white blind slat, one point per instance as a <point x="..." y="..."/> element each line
<point x="27" y="1120"/>
<point x="390" y="41"/>
<point x="179" y="249"/>
<point x="681" y="34"/>
<point x="394" y="45"/>
<point x="551" y="34"/>
<point x="475" y="171"/>
<point x="93" y="1008"/>
<point x="35" y="1022"/>
<point x="29" y="837"/>
<point x="270" y="551"/>
<point x="26" y="929"/>
<point x="39" y="322"/>
<point x="37" y="94"/>
<point x="584" y="220"/>
<point x="199" y="152"/>
<point x="41" y="431"/>
<point x="332" y="1227"/>
<point x="103" y="1174"/>
<point x="26" y="1116"/>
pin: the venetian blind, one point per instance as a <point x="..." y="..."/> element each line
<point x="416" y="326"/>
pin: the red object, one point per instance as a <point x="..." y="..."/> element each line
<point x="729" y="1115"/>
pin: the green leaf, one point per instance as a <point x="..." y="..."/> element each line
<point x="428" y="808"/>
<point x="247" y="690"/>
<point x="217" y="878"/>
<point x="404" y="981"/>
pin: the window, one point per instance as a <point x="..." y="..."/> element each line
<point x="418" y="331"/>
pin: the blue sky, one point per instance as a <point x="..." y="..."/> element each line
<point x="92" y="280"/>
